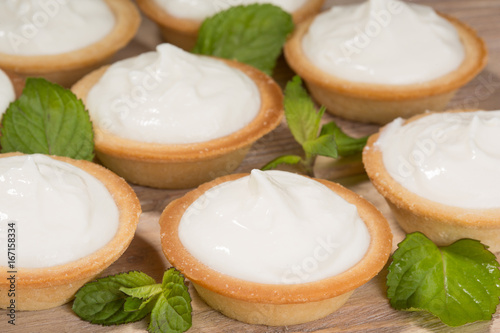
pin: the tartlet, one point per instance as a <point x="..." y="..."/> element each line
<point x="442" y="223"/>
<point x="67" y="68"/>
<point x="186" y="165"/>
<point x="48" y="287"/>
<point x="11" y="86"/>
<point x="381" y="103"/>
<point x="275" y="304"/>
<point x="17" y="81"/>
<point x="184" y="32"/>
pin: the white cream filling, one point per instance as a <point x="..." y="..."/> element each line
<point x="201" y="9"/>
<point x="7" y="93"/>
<point x="61" y="212"/>
<point x="274" y="227"/>
<point x="173" y="97"/>
<point x="383" y="41"/>
<point x="450" y="158"/>
<point x="42" y="27"/>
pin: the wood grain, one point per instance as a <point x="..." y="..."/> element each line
<point x="368" y="309"/>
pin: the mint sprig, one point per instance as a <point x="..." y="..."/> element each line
<point x="304" y="123"/>
<point x="252" y="34"/>
<point x="346" y="145"/>
<point x="459" y="283"/>
<point x="47" y="119"/>
<point x="129" y="297"/>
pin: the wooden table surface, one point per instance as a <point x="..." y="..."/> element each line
<point x="368" y="309"/>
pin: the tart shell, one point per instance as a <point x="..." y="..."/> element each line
<point x="441" y="223"/>
<point x="186" y="165"/>
<point x="381" y="103"/>
<point x="183" y="32"/>
<point x="67" y="68"/>
<point x="48" y="287"/>
<point x="275" y="304"/>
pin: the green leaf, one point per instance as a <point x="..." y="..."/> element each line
<point x="47" y="119"/>
<point x="142" y="292"/>
<point x="304" y="122"/>
<point x="128" y="297"/>
<point x="172" y="312"/>
<point x="102" y="302"/>
<point x="252" y="34"/>
<point x="324" y="145"/>
<point x="140" y="296"/>
<point x="285" y="159"/>
<point x="172" y="277"/>
<point x="346" y="144"/>
<point x="135" y="304"/>
<point x="459" y="283"/>
<point x="300" y="112"/>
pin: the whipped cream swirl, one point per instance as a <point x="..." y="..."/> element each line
<point x="450" y="158"/>
<point x="201" y="9"/>
<point x="61" y="212"/>
<point x="36" y="27"/>
<point x="274" y="227"/>
<point x="170" y="96"/>
<point x="383" y="42"/>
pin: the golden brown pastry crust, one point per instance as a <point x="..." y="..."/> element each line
<point x="276" y="304"/>
<point x="67" y="68"/>
<point x="443" y="224"/>
<point x="184" y="32"/>
<point x="44" y="288"/>
<point x="271" y="314"/>
<point x="380" y="103"/>
<point x="186" y="165"/>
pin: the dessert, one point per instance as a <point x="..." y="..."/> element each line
<point x="171" y="119"/>
<point x="179" y="21"/>
<point x="278" y="248"/>
<point x="379" y="60"/>
<point x="16" y="81"/>
<point x="439" y="174"/>
<point x="81" y="218"/>
<point x="62" y="41"/>
<point x="7" y="92"/>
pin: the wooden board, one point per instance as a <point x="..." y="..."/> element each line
<point x="368" y="309"/>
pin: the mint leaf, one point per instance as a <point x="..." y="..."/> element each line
<point x="135" y="304"/>
<point x="285" y="159"/>
<point x="47" y="119"/>
<point x="300" y="112"/>
<point x="128" y="297"/>
<point x="459" y="283"/>
<point x="140" y="296"/>
<point x="346" y="145"/>
<point x="102" y="302"/>
<point x="172" y="312"/>
<point x="324" y="145"/>
<point x="304" y="122"/>
<point x="170" y="315"/>
<point x="252" y="34"/>
<point x="142" y="292"/>
<point x="172" y="277"/>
